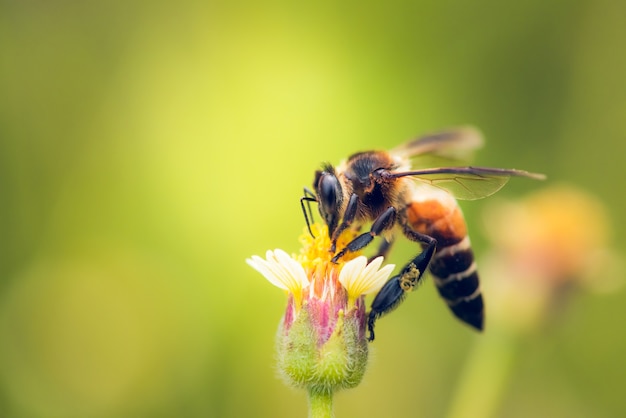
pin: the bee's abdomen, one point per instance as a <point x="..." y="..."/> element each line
<point x="456" y="277"/>
<point x="453" y="266"/>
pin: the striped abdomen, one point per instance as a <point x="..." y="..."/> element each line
<point x="452" y="266"/>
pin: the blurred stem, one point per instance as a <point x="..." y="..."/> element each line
<point x="320" y="403"/>
<point x="485" y="376"/>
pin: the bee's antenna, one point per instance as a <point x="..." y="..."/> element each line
<point x="308" y="197"/>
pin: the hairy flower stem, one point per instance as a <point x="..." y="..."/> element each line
<point x="320" y="403"/>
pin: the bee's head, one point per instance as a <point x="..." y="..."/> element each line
<point x="329" y="196"/>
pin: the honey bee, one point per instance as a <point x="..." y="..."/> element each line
<point x="394" y="191"/>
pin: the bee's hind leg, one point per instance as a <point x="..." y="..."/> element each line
<point x="396" y="289"/>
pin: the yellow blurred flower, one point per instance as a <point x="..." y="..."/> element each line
<point x="544" y="244"/>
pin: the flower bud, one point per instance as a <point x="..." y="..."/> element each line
<point x="321" y="340"/>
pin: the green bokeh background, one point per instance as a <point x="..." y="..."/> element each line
<point x="148" y="148"/>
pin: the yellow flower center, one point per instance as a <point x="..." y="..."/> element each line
<point x="316" y="251"/>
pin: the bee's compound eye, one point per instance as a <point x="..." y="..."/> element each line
<point x="328" y="190"/>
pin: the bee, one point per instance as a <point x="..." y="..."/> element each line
<point x="395" y="191"/>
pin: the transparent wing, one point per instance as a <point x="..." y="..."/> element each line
<point x="465" y="183"/>
<point x="447" y="147"/>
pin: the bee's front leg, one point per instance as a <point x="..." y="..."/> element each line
<point x="385" y="221"/>
<point x="348" y="217"/>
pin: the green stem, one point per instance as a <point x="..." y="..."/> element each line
<point x="485" y="377"/>
<point x="320" y="403"/>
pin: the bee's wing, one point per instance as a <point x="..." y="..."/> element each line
<point x="450" y="145"/>
<point x="466" y="183"/>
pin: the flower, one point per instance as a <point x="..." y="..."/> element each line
<point x="321" y="339"/>
<point x="544" y="246"/>
<point x="552" y="241"/>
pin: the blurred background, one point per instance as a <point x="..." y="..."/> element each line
<point x="148" y="148"/>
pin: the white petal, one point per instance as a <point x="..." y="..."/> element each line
<point x="351" y="270"/>
<point x="380" y="278"/>
<point x="266" y="270"/>
<point x="360" y="279"/>
<point x="294" y="267"/>
<point x="373" y="266"/>
<point x="281" y="270"/>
